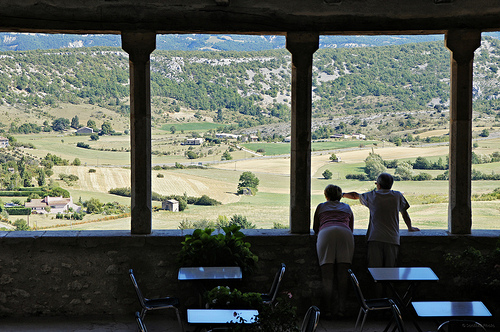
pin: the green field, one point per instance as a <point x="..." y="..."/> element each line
<point x="428" y="199"/>
<point x="272" y="149"/>
<point x="192" y="126"/>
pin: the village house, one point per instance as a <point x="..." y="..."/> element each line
<point x="4" y="142"/>
<point x="170" y="205"/>
<point x="224" y="135"/>
<point x="358" y="136"/>
<point x="52" y="205"/>
<point x="84" y="131"/>
<point x="193" y="141"/>
<point x="337" y="136"/>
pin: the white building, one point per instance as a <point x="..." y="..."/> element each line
<point x="56" y="205"/>
<point x="4" y="142"/>
<point x="359" y="136"/>
<point x="170" y="205"/>
<point x="193" y="141"/>
<point x="224" y="135"/>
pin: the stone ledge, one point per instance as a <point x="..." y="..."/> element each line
<point x="248" y="232"/>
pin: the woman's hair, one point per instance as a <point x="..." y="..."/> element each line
<point x="333" y="193"/>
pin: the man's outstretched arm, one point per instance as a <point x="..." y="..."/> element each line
<point x="351" y="195"/>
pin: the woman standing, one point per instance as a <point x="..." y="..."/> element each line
<point x="333" y="223"/>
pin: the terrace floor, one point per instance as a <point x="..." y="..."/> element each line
<point x="156" y="323"/>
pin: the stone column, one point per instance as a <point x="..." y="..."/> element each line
<point x="302" y="47"/>
<point x="139" y="46"/>
<point x="462" y="44"/>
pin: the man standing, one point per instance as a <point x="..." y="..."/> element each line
<point x="383" y="229"/>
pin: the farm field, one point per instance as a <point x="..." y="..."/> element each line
<point x="219" y="179"/>
<point x="271" y="204"/>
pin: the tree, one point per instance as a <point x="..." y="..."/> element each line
<point x="374" y="165"/>
<point x="334" y="157"/>
<point x="76" y="162"/>
<point x="405" y="171"/>
<point x="60" y="124"/>
<point x="191" y="154"/>
<point x="485" y="133"/>
<point x="327" y="174"/>
<point x="58" y="191"/>
<point x="106" y="128"/>
<point x="91" y="124"/>
<point x="226" y="156"/>
<point x="75" y="122"/>
<point x="173" y="129"/>
<point x="94" y="205"/>
<point x="94" y="137"/>
<point x="248" y="180"/>
<point x="41" y="178"/>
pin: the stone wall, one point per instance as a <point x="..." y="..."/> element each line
<point x="86" y="273"/>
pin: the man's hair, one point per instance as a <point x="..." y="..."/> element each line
<point x="333" y="193"/>
<point x="385" y="180"/>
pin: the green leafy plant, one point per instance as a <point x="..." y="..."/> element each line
<point x="222" y="297"/>
<point x="280" y="317"/>
<point x="476" y="271"/>
<point x="222" y="249"/>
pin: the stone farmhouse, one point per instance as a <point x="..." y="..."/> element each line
<point x="52" y="205"/>
<point x="193" y="141"/>
<point x="170" y="205"/>
<point x="84" y="131"/>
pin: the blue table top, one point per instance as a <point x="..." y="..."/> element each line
<point x="451" y="309"/>
<point x="222" y="316"/>
<point x="209" y="273"/>
<point x="402" y="274"/>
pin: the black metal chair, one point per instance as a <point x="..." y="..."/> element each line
<point x="273" y="292"/>
<point x="367" y="305"/>
<point x="155" y="304"/>
<point x="311" y="319"/>
<point x="140" y="323"/>
<point x="459" y="325"/>
<point x="398" y="318"/>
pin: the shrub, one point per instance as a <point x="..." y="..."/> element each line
<point x="205" y="200"/>
<point x="327" y="174"/>
<point x="228" y="249"/>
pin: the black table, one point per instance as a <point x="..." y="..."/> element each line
<point x="411" y="275"/>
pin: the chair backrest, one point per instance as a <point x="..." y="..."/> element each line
<point x="273" y="292"/>
<point x="140" y="323"/>
<point x="459" y="325"/>
<point x="136" y="286"/>
<point x="397" y="317"/>
<point x="311" y="320"/>
<point x="357" y="289"/>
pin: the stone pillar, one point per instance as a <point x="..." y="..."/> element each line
<point x="302" y="47"/>
<point x="139" y="46"/>
<point x="462" y="44"/>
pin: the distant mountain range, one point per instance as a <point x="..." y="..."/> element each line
<point x="201" y="42"/>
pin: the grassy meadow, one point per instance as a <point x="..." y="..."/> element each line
<point x="428" y="199"/>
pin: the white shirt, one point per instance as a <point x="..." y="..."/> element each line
<point x="384" y="205"/>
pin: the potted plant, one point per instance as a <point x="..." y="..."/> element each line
<point x="280" y="317"/>
<point x="203" y="248"/>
